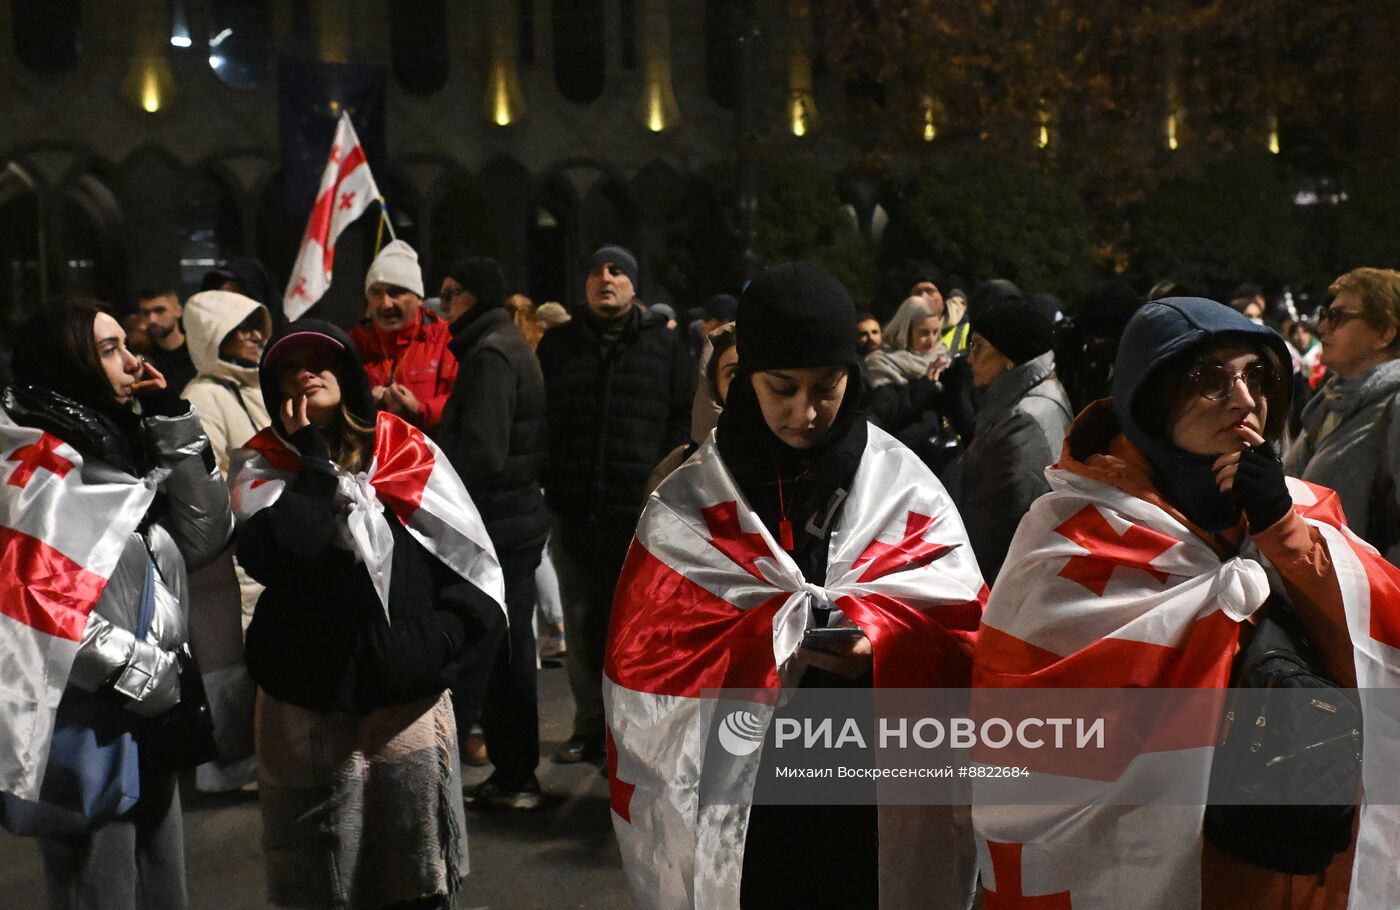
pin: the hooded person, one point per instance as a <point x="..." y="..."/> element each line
<point x="1020" y="426"/>
<point x="493" y="430"/>
<point x="381" y="586"/>
<point x="756" y="541"/>
<point x="1145" y="567"/>
<point x="402" y="343"/>
<point x="225" y="332"/>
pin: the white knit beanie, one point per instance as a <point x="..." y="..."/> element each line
<point x="396" y="264"/>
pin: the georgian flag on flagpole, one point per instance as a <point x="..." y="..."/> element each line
<point x="63" y="523"/>
<point x="347" y="189"/>
<point x="408" y="474"/>
<point x="1105" y="590"/>
<point x="708" y="600"/>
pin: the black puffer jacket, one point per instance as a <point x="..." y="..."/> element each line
<point x="319" y="637"/>
<point x="614" y="412"/>
<point x="493" y="427"/>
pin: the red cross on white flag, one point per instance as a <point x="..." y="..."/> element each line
<point x="63" y="524"/>
<point x="347" y="189"/>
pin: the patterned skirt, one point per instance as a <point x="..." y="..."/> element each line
<point x="360" y="811"/>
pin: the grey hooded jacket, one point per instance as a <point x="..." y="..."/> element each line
<point x="1358" y="422"/>
<point x="1021" y="428"/>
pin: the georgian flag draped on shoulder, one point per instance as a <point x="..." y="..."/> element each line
<point x="1105" y="590"/>
<point x="63" y="523"/>
<point x="347" y="189"/>
<point x="708" y="600"/>
<point x="408" y="474"/>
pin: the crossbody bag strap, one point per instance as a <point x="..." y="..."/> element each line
<point x="238" y="397"/>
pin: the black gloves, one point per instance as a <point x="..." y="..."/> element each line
<point x="1261" y="489"/>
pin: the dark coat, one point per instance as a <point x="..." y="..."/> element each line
<point x="319" y="638"/>
<point x="493" y="427"/>
<point x="614" y="412"/>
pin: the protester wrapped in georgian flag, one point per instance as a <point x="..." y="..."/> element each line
<point x="708" y="600"/>
<point x="64" y="520"/>
<point x="1107" y="590"/>
<point x="408" y="474"/>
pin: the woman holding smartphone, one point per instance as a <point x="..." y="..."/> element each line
<point x="799" y="547"/>
<point x="76" y="381"/>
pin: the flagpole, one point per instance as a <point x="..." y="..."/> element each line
<point x="383" y="222"/>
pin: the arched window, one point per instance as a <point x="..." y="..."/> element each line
<point x="46" y="34"/>
<point x="580" y="59"/>
<point x="210" y="229"/>
<point x="724" y="22"/>
<point x="90" y="257"/>
<point x="240" y="38"/>
<point x="627" y="29"/>
<point x="21" y="287"/>
<point x="552" y="248"/>
<point x="418" y="42"/>
<point x="525" y="31"/>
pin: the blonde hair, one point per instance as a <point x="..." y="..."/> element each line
<point x="1379" y="291"/>
<point x="911" y="312"/>
<point x="523" y="309"/>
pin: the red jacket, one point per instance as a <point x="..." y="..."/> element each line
<point x="416" y="356"/>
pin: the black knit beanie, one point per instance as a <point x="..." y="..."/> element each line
<point x="795" y="315"/>
<point x="621" y="257"/>
<point x="482" y="278"/>
<point x="992" y="293"/>
<point x="1015" y="328"/>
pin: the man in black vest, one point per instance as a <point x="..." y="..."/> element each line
<point x="493" y="431"/>
<point x="618" y="386"/>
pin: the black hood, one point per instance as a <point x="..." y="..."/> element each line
<point x="1168" y="332"/>
<point x="350" y="371"/>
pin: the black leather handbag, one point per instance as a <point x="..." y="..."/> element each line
<point x="1289" y="735"/>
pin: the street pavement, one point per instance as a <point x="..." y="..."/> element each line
<point x="561" y="857"/>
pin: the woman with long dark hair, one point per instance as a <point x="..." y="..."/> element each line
<point x="130" y="492"/>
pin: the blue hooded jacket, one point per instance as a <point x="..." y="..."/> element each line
<point x="1171" y="331"/>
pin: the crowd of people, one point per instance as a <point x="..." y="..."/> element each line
<point x="349" y="549"/>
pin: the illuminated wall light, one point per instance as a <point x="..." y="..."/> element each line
<point x="1042" y="133"/>
<point x="1172" y="143"/>
<point x="500" y="94"/>
<point x="802" y="106"/>
<point x="150" y="92"/>
<point x="800" y="115"/>
<point x="179" y="25"/>
<point x="1273" y="134"/>
<point x="656" y="114"/>
<point x="656" y="109"/>
<point x="503" y="100"/>
<point x="149" y="84"/>
<point x="930" y="127"/>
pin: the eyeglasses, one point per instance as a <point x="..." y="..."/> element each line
<point x="1214" y="382"/>
<point x="977" y="347"/>
<point x="250" y="325"/>
<point x="1336" y="316"/>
